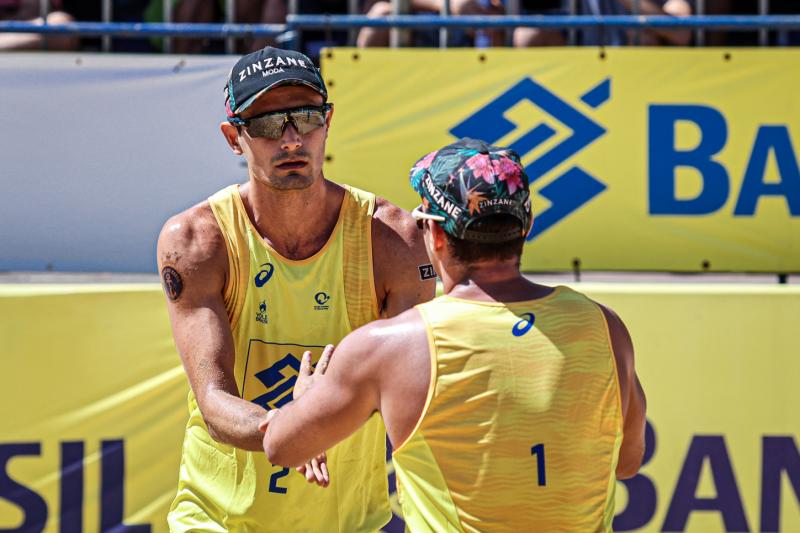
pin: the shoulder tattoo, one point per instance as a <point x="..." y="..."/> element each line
<point x="173" y="284"/>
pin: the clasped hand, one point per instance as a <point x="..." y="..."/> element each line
<point x="316" y="470"/>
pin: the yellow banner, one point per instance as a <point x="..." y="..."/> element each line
<point x="719" y="365"/>
<point x="93" y="408"/>
<point x="639" y="159"/>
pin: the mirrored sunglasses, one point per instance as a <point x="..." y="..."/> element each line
<point x="272" y="124"/>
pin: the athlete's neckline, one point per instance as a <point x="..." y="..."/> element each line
<point x="556" y="290"/>
<point x="334" y="233"/>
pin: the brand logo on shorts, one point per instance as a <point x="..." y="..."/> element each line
<point x="322" y="300"/>
<point x="263" y="276"/>
<point x="523" y="326"/>
<point x="261" y="316"/>
<point x="566" y="189"/>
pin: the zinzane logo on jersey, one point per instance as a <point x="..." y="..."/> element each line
<point x="271" y="371"/>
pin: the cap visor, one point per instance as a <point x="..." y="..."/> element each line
<point x="287" y="81"/>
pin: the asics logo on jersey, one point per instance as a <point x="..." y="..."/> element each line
<point x="566" y="130"/>
<point x="523" y="326"/>
<point x="263" y="276"/>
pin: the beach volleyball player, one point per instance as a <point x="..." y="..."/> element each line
<point x="260" y="273"/>
<point x="511" y="406"/>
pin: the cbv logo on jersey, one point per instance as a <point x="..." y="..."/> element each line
<point x="570" y="189"/>
<point x="271" y="371"/>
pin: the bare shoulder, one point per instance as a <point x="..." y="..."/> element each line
<point x="394" y="226"/>
<point x="191" y="244"/>
<point x="617" y="329"/>
<point x="398" y="253"/>
<point x="621" y="345"/>
<point x="382" y="342"/>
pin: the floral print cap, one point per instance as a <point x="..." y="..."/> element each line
<point x="468" y="180"/>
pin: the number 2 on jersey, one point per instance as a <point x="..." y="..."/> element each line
<point x="273" y="481"/>
<point x="538" y="451"/>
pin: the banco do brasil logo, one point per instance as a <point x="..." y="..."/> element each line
<point x="568" y="190"/>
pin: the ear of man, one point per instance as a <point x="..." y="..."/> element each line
<point x="231" y="134"/>
<point x="438" y="234"/>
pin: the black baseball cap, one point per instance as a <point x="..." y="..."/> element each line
<point x="257" y="73"/>
<point x="468" y="180"/>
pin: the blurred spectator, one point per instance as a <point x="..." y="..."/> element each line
<point x="524" y="37"/>
<point x="785" y="37"/>
<point x="776" y="7"/>
<point x="195" y="11"/>
<point x="607" y="36"/>
<point x="121" y="11"/>
<point x="382" y="8"/>
<point x="716" y="7"/>
<point x="312" y="41"/>
<point x="29" y="10"/>
<point x="213" y="11"/>
<point x="656" y="37"/>
<point x="263" y="12"/>
<point x="133" y="11"/>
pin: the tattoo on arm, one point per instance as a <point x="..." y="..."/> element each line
<point x="173" y="284"/>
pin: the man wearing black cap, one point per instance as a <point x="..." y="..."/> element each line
<point x="511" y="406"/>
<point x="256" y="276"/>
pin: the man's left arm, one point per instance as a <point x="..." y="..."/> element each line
<point x="403" y="274"/>
<point x="329" y="409"/>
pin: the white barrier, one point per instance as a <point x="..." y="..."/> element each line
<point x="96" y="151"/>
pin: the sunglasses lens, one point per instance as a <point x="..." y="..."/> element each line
<point x="307" y="120"/>
<point x="270" y="126"/>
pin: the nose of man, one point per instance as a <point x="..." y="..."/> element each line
<point x="291" y="140"/>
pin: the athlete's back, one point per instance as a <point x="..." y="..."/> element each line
<point x="523" y="423"/>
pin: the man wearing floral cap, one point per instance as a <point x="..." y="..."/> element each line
<point x="510" y="405"/>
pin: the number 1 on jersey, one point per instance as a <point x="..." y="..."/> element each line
<point x="538" y="451"/>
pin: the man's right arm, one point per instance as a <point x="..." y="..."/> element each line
<point x="634" y="404"/>
<point x="192" y="261"/>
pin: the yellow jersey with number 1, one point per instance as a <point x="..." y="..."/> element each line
<point x="278" y="308"/>
<point x="522" y="426"/>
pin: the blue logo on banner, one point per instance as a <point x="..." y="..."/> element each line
<point x="572" y="188"/>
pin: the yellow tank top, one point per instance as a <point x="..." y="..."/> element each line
<point x="522" y="426"/>
<point x="278" y="308"/>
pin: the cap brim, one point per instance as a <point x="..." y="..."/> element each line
<point x="279" y="83"/>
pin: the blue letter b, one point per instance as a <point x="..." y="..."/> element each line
<point x="665" y="158"/>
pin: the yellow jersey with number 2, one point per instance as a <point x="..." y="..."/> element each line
<point x="278" y="308"/>
<point x="522" y="426"/>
